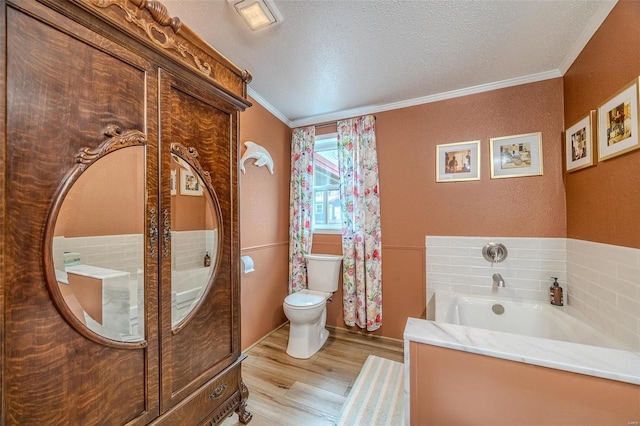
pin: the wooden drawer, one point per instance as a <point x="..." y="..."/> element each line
<point x="216" y="400"/>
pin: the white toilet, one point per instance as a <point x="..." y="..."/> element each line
<point x="307" y="309"/>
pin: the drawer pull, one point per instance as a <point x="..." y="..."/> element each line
<point x="218" y="392"/>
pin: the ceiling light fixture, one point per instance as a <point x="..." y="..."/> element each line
<point x="257" y="14"/>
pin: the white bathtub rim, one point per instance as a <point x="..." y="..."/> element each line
<point x="564" y="312"/>
<point x="623" y="366"/>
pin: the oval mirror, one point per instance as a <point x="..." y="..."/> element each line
<point x="98" y="245"/>
<point x="194" y="236"/>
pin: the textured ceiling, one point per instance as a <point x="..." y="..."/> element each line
<point x="334" y="59"/>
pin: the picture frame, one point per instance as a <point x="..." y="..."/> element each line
<point x="189" y="183"/>
<point x="456" y="162"/>
<point x="173" y="182"/>
<point x="618" y="123"/>
<point x="579" y="143"/>
<point x="516" y="156"/>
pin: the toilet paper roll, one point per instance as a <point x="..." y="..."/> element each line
<point x="247" y="264"/>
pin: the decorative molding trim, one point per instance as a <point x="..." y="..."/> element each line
<point x="356" y="330"/>
<point x="226" y="409"/>
<point x="372" y="109"/>
<point x="85" y="157"/>
<point x="266" y="105"/>
<point x="117" y="140"/>
<point x="338" y="242"/>
<point x="416" y="248"/>
<point x="596" y="20"/>
<point x="191" y="156"/>
<point x="264" y="246"/>
<point x="243" y="415"/>
<point x="156" y="30"/>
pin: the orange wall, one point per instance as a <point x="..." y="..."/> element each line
<point x="107" y="199"/>
<point x="450" y="387"/>
<point x="414" y="205"/>
<point x="603" y="202"/>
<point x="264" y="224"/>
<point x="190" y="212"/>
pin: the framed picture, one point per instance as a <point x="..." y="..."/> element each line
<point x="516" y="156"/>
<point x="618" y="123"/>
<point x="579" y="146"/>
<point x="458" y="161"/>
<point x="189" y="183"/>
<point x="174" y="184"/>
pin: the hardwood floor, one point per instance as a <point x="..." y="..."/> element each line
<point x="285" y="391"/>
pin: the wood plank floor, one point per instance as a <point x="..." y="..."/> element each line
<point x="285" y="391"/>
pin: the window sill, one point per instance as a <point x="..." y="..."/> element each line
<point x="328" y="231"/>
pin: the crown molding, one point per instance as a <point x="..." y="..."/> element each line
<point x="596" y="20"/>
<point x="372" y="109"/>
<point x="262" y="101"/>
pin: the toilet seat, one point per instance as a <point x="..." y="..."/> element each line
<point x="305" y="299"/>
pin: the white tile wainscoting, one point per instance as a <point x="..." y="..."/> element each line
<point x="456" y="264"/>
<point x="120" y="252"/>
<point x="601" y="282"/>
<point x="604" y="286"/>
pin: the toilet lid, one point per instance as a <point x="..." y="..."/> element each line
<point x="303" y="299"/>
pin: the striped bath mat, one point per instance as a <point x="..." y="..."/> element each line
<point x="376" y="398"/>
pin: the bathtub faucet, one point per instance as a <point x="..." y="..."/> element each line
<point x="498" y="281"/>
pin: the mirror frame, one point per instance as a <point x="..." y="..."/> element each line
<point x="83" y="159"/>
<point x="190" y="155"/>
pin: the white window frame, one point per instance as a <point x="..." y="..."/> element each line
<point x="324" y="143"/>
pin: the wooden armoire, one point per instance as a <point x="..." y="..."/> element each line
<point x="119" y="236"/>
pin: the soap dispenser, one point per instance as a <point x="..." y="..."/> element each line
<point x="207" y="260"/>
<point x="555" y="293"/>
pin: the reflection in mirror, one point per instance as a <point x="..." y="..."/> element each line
<point x="98" y="246"/>
<point x="194" y="238"/>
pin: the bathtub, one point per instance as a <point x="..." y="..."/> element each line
<point x="528" y="331"/>
<point x="523" y="317"/>
<point x="445" y="377"/>
<point x="188" y="287"/>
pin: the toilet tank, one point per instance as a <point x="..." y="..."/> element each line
<point x="323" y="272"/>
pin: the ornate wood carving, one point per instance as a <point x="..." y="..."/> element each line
<point x="116" y="140"/>
<point x="243" y="415"/>
<point x="84" y="158"/>
<point x="191" y="155"/>
<point x="226" y="410"/>
<point x="156" y="32"/>
<point x="117" y="71"/>
<point x="159" y="12"/>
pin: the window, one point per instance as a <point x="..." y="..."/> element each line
<point x="326" y="184"/>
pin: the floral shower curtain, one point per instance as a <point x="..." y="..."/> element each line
<point x="300" y="202"/>
<point x="361" y="237"/>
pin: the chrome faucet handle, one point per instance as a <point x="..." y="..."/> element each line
<point x="494" y="252"/>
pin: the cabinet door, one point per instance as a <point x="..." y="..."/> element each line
<point x="200" y="129"/>
<point x="69" y="92"/>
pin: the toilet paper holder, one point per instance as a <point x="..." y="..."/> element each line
<point x="247" y="264"/>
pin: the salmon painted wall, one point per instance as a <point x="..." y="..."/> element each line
<point x="414" y="205"/>
<point x="450" y="387"/>
<point x="107" y="199"/>
<point x="264" y="225"/>
<point x="603" y="201"/>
